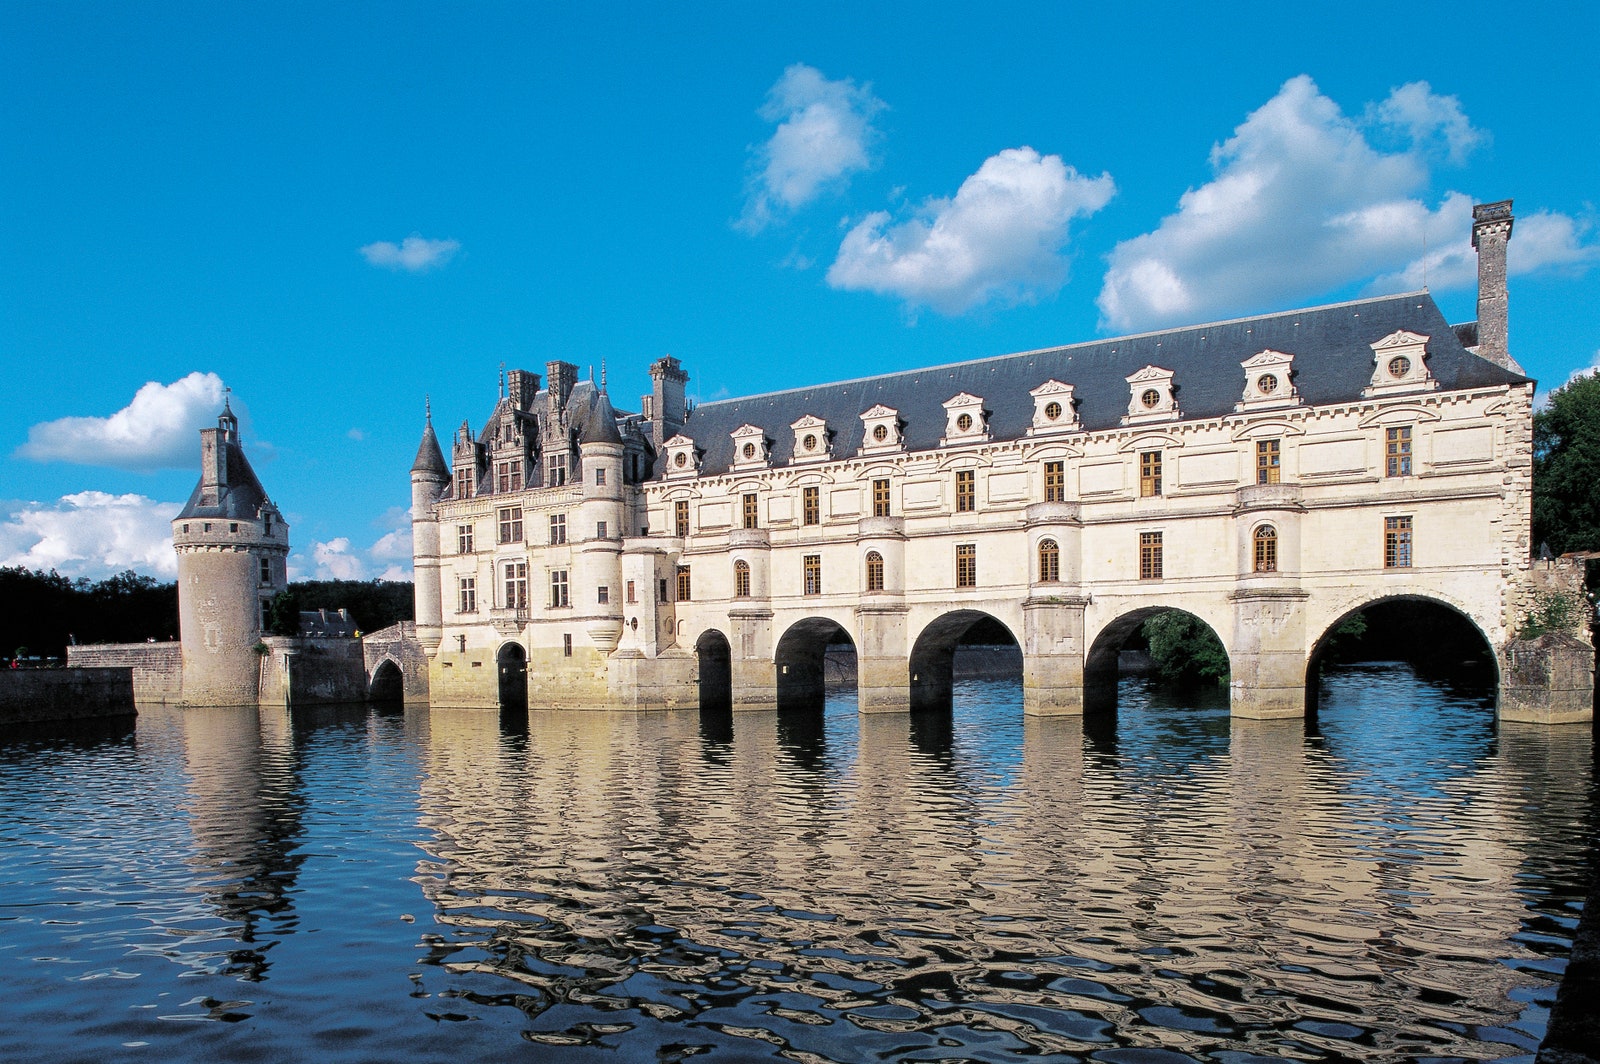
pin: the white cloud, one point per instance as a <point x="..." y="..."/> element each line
<point x="339" y="559"/>
<point x="1302" y="203"/>
<point x="1542" y="399"/>
<point x="414" y="254"/>
<point x="156" y="430"/>
<point x="1001" y="237"/>
<point x="824" y="134"/>
<point x="91" y="534"/>
<point x="334" y="561"/>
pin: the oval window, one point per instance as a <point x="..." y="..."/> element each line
<point x="964" y="423"/>
<point x="1267" y="383"/>
<point x="1150" y="398"/>
<point x="1052" y="411"/>
<point x="680" y="460"/>
<point x="1399" y="366"/>
<point x="749" y="450"/>
<point x="811" y="443"/>
<point x="880" y="433"/>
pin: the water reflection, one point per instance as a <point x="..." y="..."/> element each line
<point x="1396" y="881"/>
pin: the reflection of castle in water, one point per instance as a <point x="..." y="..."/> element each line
<point x="625" y="864"/>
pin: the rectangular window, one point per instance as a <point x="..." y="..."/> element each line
<point x="602" y="595"/>
<point x="511" y="524"/>
<point x="747" y="507"/>
<point x="1149" y="474"/>
<point x="266" y="570"/>
<point x="741" y="579"/>
<point x="813" y="574"/>
<point x="600" y="530"/>
<point x="559" y="599"/>
<point x="508" y="475"/>
<point x="566" y="644"/>
<point x="880" y="498"/>
<point x="811" y="506"/>
<point x="233" y="526"/>
<point x="467" y="594"/>
<point x="966" y="491"/>
<point x="684" y="587"/>
<point x="966" y="565"/>
<point x="558" y="529"/>
<point x="600" y="476"/>
<point x="663" y="589"/>
<point x="632" y="594"/>
<point x="464" y="480"/>
<point x="1397" y="542"/>
<point x="463" y="539"/>
<point x="1397" y="448"/>
<point x="1055" y="482"/>
<point x="1150" y="556"/>
<point x="1267" y="457"/>
<point x="680" y="518"/>
<point x="555" y="471"/>
<point x="516" y="585"/>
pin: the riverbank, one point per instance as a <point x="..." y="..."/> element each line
<point x="29" y="696"/>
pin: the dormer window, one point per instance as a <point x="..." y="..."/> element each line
<point x="1054" y="409"/>
<point x="682" y="459"/>
<point x="811" y="439"/>
<point x="1268" y="382"/>
<point x="750" y="447"/>
<point x="1152" y="396"/>
<point x="1399" y="364"/>
<point x="965" y="420"/>
<point x="881" y="431"/>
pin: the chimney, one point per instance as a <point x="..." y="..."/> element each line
<point x="1491" y="228"/>
<point x="666" y="399"/>
<point x="524" y="386"/>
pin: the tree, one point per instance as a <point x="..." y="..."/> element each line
<point x="1185" y="649"/>
<point x="1566" y="468"/>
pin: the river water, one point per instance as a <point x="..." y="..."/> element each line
<point x="1399" y="881"/>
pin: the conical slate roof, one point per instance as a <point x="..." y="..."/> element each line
<point x="430" y="459"/>
<point x="600" y="423"/>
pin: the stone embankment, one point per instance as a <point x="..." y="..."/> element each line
<point x="28" y="696"/>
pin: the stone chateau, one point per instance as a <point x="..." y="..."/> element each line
<point x="1272" y="475"/>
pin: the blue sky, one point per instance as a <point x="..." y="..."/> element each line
<point x="336" y="209"/>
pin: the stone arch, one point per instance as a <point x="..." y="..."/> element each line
<point x="933" y="653"/>
<point x="715" y="659"/>
<point x="1452" y="634"/>
<point x="800" y="661"/>
<point x="1100" y="664"/>
<point x="387" y="684"/>
<point x="511" y="664"/>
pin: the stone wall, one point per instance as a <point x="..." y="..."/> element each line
<point x="157" y="667"/>
<point x="30" y="695"/>
<point x="398" y="643"/>
<point x="304" y="672"/>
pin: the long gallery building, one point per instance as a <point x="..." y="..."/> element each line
<point x="1271" y="475"/>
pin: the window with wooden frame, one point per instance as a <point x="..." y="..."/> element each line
<point x="966" y="491"/>
<point x="559" y="589"/>
<point x="555" y="471"/>
<point x="1150" y="567"/>
<point x="880" y="498"/>
<point x="749" y="509"/>
<point x="966" y="565"/>
<point x="516" y="585"/>
<point x="1268" y="456"/>
<point x="1397" y="542"/>
<point x="467" y="594"/>
<point x="1397" y="451"/>
<point x="684" y="587"/>
<point x="558" y="529"/>
<point x="463" y="539"/>
<point x="1149" y="474"/>
<point x="680" y="518"/>
<point x="464" y="482"/>
<point x="874" y="571"/>
<point x="1055" y="482"/>
<point x="741" y="579"/>
<point x="508" y="475"/>
<point x="812" y="570"/>
<point x="510" y="524"/>
<point x="1049" y="561"/>
<point x="811" y="506"/>
<point x="1265" y="550"/>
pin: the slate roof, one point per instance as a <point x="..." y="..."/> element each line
<point x="429" y="458"/>
<point x="1331" y="346"/>
<point x="240" y="499"/>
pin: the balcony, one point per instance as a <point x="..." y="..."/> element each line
<point x="749" y="537"/>
<point x="509" y="622"/>
<point x="1051" y="513"/>
<point x="1269" y="497"/>
<point x="881" y="528"/>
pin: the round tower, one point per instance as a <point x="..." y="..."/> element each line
<point x="233" y="551"/>
<point x="600" y="525"/>
<point x="429" y="478"/>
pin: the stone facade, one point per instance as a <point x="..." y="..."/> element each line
<point x="1270" y="475"/>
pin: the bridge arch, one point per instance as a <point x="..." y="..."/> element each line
<point x="715" y="658"/>
<point x="933" y="653"/>
<point x="1424" y="629"/>
<point x="800" y="660"/>
<point x="1101" y="662"/>
<point x="387" y="683"/>
<point x="511" y="662"/>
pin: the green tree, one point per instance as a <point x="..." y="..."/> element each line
<point x="1566" y="468"/>
<point x="1185" y="649"/>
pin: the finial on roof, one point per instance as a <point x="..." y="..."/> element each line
<point x="502" y="380"/>
<point x="427" y="407"/>
<point x="602" y="375"/>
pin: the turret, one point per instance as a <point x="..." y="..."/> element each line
<point x="233" y="548"/>
<point x="429" y="479"/>
<point x="602" y="519"/>
<point x="1491" y="231"/>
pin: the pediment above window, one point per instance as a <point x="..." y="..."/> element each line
<point x="1400" y="364"/>
<point x="1054" y="409"/>
<point x="751" y="448"/>
<point x="683" y="458"/>
<point x="1268" y="381"/>
<point x="812" y="440"/>
<point x="1152" y="396"/>
<point x="965" y="420"/>
<point x="881" y="431"/>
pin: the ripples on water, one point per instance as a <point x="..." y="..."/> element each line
<point x="1395" y="881"/>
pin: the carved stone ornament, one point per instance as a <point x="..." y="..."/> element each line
<point x="1268" y="382"/>
<point x="965" y="420"/>
<point x="1400" y="365"/>
<point x="1151" y="397"/>
<point x="1054" y="409"/>
<point x="881" y="431"/>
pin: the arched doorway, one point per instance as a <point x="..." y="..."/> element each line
<point x="1165" y="646"/>
<point x="387" y="686"/>
<point x="512" y="662"/>
<point x="716" y="671"/>
<point x="1435" y="640"/>
<point x="814" y="656"/>
<point x="968" y="643"/>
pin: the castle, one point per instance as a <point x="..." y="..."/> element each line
<point x="1272" y="475"/>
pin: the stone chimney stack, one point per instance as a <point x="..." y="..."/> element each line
<point x="666" y="409"/>
<point x="1491" y="229"/>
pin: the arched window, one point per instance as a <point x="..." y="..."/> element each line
<point x="741" y="579"/>
<point x="874" y="571"/>
<point x="1049" y="561"/>
<point x="1266" y="550"/>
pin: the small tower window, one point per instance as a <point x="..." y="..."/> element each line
<point x="741" y="579"/>
<point x="874" y="571"/>
<point x="1266" y="550"/>
<point x="1049" y="561"/>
